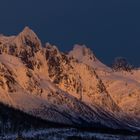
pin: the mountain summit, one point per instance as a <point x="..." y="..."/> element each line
<point x="74" y="88"/>
<point x="28" y="38"/>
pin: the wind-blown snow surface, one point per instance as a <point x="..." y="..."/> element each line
<point x="75" y="89"/>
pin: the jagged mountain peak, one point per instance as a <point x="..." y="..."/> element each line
<point x="27" y="31"/>
<point x="25" y="43"/>
<point x="28" y="38"/>
<point x="83" y="50"/>
<point x="85" y="55"/>
<point x="51" y="47"/>
<point x="78" y="46"/>
<point x="52" y="50"/>
<point x="81" y="47"/>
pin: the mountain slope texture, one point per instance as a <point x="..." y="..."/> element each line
<point x="74" y="89"/>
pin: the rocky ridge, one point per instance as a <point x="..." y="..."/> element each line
<point x="74" y="88"/>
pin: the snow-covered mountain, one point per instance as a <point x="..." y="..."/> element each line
<point x="74" y="88"/>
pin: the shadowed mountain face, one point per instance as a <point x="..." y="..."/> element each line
<point x="74" y="88"/>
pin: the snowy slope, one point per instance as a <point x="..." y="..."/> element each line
<point x="123" y="87"/>
<point x="41" y="97"/>
<point x="70" y="89"/>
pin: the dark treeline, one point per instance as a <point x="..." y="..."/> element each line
<point x="13" y="120"/>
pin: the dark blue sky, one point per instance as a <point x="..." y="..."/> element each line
<point x="110" y="27"/>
